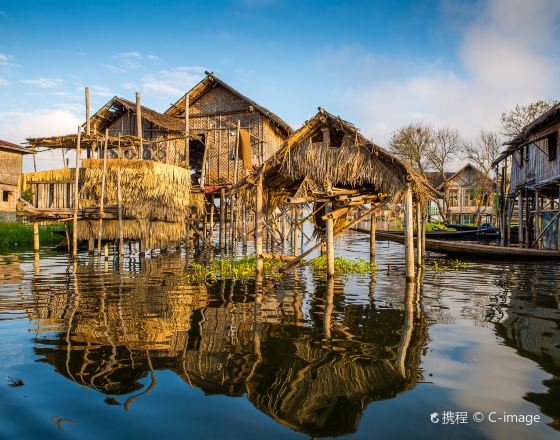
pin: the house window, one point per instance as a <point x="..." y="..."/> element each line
<point x="5" y="196"/>
<point x="552" y="141"/>
<point x="453" y="196"/>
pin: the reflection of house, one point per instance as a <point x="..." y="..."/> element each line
<point x="467" y="195"/>
<point x="10" y="170"/>
<point x="315" y="376"/>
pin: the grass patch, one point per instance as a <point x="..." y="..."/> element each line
<point x="231" y="268"/>
<point x="342" y="265"/>
<point x="443" y="265"/>
<point x="436" y="226"/>
<point x="15" y="234"/>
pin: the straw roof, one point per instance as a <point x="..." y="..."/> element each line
<point x="349" y="161"/>
<point x="211" y="81"/>
<point x="8" y="146"/>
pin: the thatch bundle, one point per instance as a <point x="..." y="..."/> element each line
<point x="150" y="190"/>
<point x="61" y="175"/>
<point x="155" y="234"/>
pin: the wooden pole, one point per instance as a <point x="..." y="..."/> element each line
<point x="36" y="237"/>
<point x="520" y="218"/>
<point x="296" y="232"/>
<point x="139" y="125"/>
<point x="88" y="121"/>
<point x="244" y="222"/>
<point x="372" y="228"/>
<point x="330" y="241"/>
<point x="424" y="214"/>
<point x="418" y="234"/>
<point x="34" y="159"/>
<point x="259" y="224"/>
<point x="211" y="232"/>
<point x="76" y="195"/>
<point x="222" y="218"/>
<point x="119" y="201"/>
<point x="537" y="218"/>
<point x="408" y="234"/>
<point x="187" y="149"/>
<point x="102" y="195"/>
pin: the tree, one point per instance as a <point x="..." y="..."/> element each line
<point x="411" y="144"/>
<point x="514" y="120"/>
<point x="482" y="152"/>
<point x="446" y="144"/>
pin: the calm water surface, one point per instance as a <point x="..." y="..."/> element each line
<point x="135" y="351"/>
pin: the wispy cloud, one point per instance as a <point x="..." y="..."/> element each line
<point x="172" y="82"/>
<point x="504" y="59"/>
<point x="44" y="83"/>
<point x="130" y="61"/>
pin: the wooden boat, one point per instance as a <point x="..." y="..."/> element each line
<point x="438" y="235"/>
<point x="461" y="227"/>
<point x="476" y="251"/>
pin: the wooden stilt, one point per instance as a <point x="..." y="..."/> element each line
<point x="102" y="194"/>
<point x="259" y="224"/>
<point x="222" y="218"/>
<point x="76" y="196"/>
<point x="520" y="218"/>
<point x="408" y="234"/>
<point x="205" y="221"/>
<point x="119" y="202"/>
<point x="35" y="237"/>
<point x="106" y="250"/>
<point x="187" y="140"/>
<point x="91" y="244"/>
<point x="372" y="227"/>
<point x="296" y="232"/>
<point x="537" y="218"/>
<point x="88" y="120"/>
<point x="330" y="241"/>
<point x="418" y="234"/>
<point x="244" y="222"/>
<point x="424" y="214"/>
<point x="139" y="126"/>
<point x="211" y="231"/>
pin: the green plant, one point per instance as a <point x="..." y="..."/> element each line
<point x="21" y="235"/>
<point x="234" y="268"/>
<point x="442" y="264"/>
<point x="342" y="265"/>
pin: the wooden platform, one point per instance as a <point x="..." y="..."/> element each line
<point x="476" y="251"/>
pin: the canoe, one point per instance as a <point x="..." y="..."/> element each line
<point x="437" y="235"/>
<point x="476" y="251"/>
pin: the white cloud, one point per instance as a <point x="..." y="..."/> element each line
<point x="44" y="83"/>
<point x="130" y="61"/>
<point x="172" y="82"/>
<point x="507" y="56"/>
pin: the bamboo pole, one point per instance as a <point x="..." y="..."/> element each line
<point x="537" y="218"/>
<point x="372" y="228"/>
<point x="330" y="241"/>
<point x="296" y="232"/>
<point x="139" y="125"/>
<point x="408" y="234"/>
<point x="259" y="224"/>
<point x="187" y="133"/>
<point x="222" y="218"/>
<point x="211" y="232"/>
<point x="520" y="218"/>
<point x="88" y="120"/>
<point x="418" y="234"/>
<point x="34" y="159"/>
<point x="36" y="237"/>
<point x="244" y="222"/>
<point x="102" y="195"/>
<point x="76" y="195"/>
<point x="424" y="215"/>
<point x="119" y="201"/>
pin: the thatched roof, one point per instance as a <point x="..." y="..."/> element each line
<point x="117" y="106"/>
<point x="349" y="161"/>
<point x="211" y="81"/>
<point x="8" y="146"/>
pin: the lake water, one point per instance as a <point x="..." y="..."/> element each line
<point x="134" y="351"/>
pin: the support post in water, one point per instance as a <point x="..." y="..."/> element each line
<point x="102" y="194"/>
<point x="211" y="226"/>
<point x="372" y="228"/>
<point x="418" y="234"/>
<point x="296" y="232"/>
<point x="222" y="218"/>
<point x="35" y="237"/>
<point x="76" y="196"/>
<point x="139" y="125"/>
<point x="259" y="224"/>
<point x="330" y="240"/>
<point x="408" y="234"/>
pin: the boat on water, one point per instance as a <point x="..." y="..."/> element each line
<point x="476" y="251"/>
<point x="466" y="235"/>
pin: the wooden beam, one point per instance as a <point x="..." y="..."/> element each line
<point x="258" y="224"/>
<point x="102" y="195"/>
<point x="76" y="196"/>
<point x="408" y="234"/>
<point x="139" y="125"/>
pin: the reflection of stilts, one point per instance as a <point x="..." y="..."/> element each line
<point x="147" y="390"/>
<point x="73" y="310"/>
<point x="408" y="326"/>
<point x="329" y="306"/>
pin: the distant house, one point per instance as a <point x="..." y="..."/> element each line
<point x="466" y="196"/>
<point x="10" y="170"/>
<point x="532" y="198"/>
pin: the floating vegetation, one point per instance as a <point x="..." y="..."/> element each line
<point x="442" y="264"/>
<point x="231" y="268"/>
<point x="342" y="265"/>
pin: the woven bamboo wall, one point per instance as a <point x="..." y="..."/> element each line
<point x="10" y="170"/>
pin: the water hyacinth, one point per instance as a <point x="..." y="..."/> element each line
<point x="231" y="268"/>
<point x="343" y="265"/>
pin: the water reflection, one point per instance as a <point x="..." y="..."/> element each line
<point x="297" y="350"/>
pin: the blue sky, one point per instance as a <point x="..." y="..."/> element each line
<point x="379" y="64"/>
